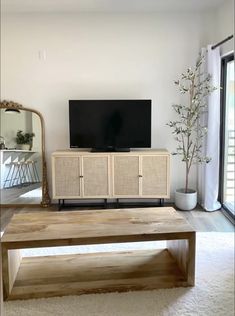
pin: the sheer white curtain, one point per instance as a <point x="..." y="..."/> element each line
<point x="208" y="174"/>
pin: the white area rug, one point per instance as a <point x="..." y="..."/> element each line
<point x="213" y="294"/>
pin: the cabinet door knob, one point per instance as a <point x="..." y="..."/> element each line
<point x="140" y="176"/>
<point x="80" y="176"/>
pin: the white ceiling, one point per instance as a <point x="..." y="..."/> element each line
<point x="107" y="5"/>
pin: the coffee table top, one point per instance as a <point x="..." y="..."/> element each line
<point x="95" y="226"/>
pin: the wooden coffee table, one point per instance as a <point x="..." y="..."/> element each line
<point x="45" y="276"/>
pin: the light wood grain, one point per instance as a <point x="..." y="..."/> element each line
<point x="14" y="261"/>
<point x="200" y="220"/>
<point x="5" y="271"/>
<point x="1" y="282"/>
<point x="79" y="274"/>
<point x="95" y="226"/>
<point x="184" y="253"/>
<point x="11" y="261"/>
<point x="102" y="272"/>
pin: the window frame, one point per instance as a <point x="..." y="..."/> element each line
<point x="223" y="80"/>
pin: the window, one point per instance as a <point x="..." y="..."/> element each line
<point x="227" y="170"/>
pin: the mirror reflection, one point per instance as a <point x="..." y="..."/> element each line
<point x="20" y="157"/>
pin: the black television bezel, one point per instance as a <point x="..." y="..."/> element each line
<point x="111" y="148"/>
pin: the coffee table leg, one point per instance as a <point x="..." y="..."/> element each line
<point x="11" y="260"/>
<point x="183" y="250"/>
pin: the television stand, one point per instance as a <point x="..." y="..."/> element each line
<point x="111" y="175"/>
<point x="110" y="150"/>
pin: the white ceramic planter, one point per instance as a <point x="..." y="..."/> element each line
<point x="23" y="146"/>
<point x="185" y="201"/>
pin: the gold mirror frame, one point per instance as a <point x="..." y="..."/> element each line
<point x="46" y="201"/>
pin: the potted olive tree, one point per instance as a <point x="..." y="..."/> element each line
<point x="188" y="132"/>
<point x="24" y="140"/>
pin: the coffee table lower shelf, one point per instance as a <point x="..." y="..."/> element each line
<point x="59" y="275"/>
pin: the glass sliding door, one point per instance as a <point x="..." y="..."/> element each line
<point x="227" y="185"/>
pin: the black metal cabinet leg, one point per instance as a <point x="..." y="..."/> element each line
<point x="105" y="203"/>
<point x="117" y="203"/>
<point x="60" y="204"/>
<point x="161" y="202"/>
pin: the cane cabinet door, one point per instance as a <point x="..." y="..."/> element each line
<point x="155" y="171"/>
<point x="95" y="176"/>
<point x="67" y="177"/>
<point x="126" y="176"/>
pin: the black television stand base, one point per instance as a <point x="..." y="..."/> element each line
<point x="116" y="203"/>
<point x="112" y="149"/>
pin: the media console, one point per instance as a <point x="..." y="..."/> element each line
<point x="116" y="175"/>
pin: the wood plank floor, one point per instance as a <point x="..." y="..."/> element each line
<point x="200" y="220"/>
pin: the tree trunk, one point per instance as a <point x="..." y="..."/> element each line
<point x="186" y="177"/>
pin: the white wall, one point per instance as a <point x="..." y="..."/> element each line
<point x="99" y="56"/>
<point x="225" y="25"/>
<point x="218" y="24"/>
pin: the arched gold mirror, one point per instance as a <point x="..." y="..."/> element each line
<point x="22" y="156"/>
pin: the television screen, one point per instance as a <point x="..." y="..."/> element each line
<point x="110" y="124"/>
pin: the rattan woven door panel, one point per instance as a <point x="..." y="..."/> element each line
<point x="95" y="171"/>
<point x="66" y="177"/>
<point x="154" y="176"/>
<point x="126" y="176"/>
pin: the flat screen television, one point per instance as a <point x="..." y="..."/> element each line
<point x="110" y="125"/>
